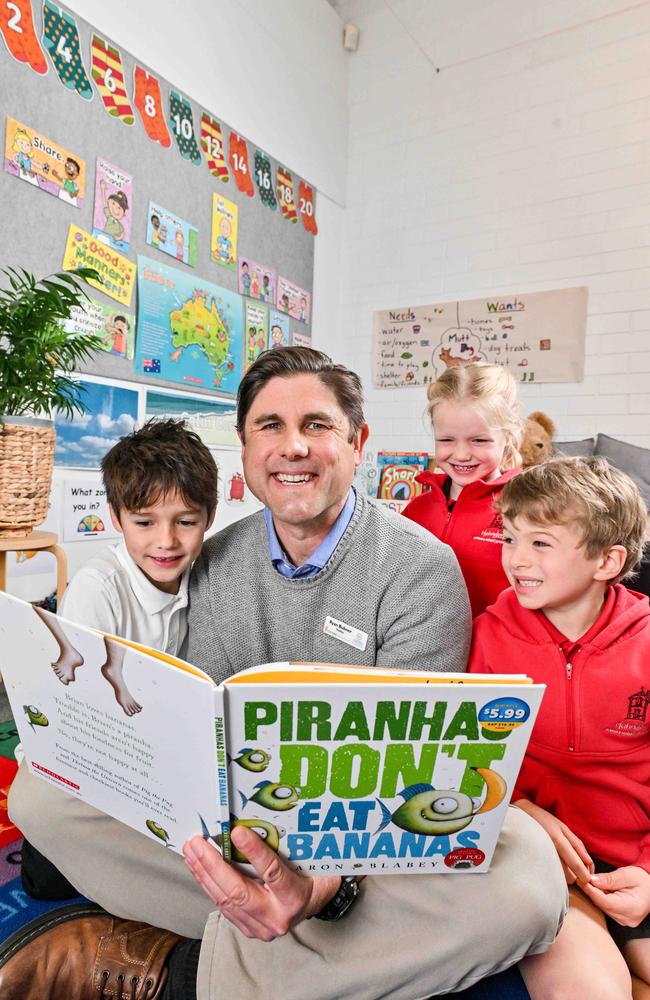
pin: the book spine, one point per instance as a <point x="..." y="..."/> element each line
<point x="222" y="771"/>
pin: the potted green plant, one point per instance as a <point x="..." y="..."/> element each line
<point x="37" y="357"/>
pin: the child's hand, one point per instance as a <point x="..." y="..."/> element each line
<point x="576" y="861"/>
<point x="623" y="894"/>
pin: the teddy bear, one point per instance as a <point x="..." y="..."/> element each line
<point x="537" y="444"/>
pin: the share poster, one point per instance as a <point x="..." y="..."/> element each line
<point x="171" y="234"/>
<point x="223" y="247"/>
<point x="257" y="281"/>
<point x="85" y="511"/>
<point x="190" y="331"/>
<point x="539" y="336"/>
<point x="113" y="206"/>
<point x="294" y="300"/>
<point x="256" y="325"/>
<point x="116" y="273"/>
<point x="115" y="327"/>
<point x="43" y="163"/>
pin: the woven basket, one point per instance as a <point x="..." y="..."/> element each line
<point x="26" y="461"/>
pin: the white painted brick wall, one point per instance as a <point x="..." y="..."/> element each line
<point x="524" y="164"/>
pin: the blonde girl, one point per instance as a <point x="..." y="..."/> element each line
<point x="477" y="429"/>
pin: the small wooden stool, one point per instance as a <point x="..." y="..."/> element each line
<point x="48" y="541"/>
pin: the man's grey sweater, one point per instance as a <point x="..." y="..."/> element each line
<point x="388" y="577"/>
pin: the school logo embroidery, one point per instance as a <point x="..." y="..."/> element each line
<point x="635" y="722"/>
<point x="493" y="533"/>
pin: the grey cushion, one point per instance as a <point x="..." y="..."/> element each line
<point x="582" y="448"/>
<point x="628" y="458"/>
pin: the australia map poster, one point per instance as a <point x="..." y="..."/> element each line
<point x="190" y="331"/>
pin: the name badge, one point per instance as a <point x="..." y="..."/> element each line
<point x="348" y="634"/>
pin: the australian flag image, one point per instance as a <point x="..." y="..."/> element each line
<point x="151" y="366"/>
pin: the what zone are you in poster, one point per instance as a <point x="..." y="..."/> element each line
<point x="189" y="330"/>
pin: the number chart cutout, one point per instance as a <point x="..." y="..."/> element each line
<point x="61" y="38"/>
<point x="264" y="180"/>
<point x="17" y="28"/>
<point x="181" y="121"/>
<point x="238" y="156"/>
<point x="108" y="75"/>
<point x="148" y="101"/>
<point x="212" y="146"/>
<point x="285" y="193"/>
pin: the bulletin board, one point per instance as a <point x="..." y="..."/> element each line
<point x="80" y="96"/>
<point x="539" y="336"/>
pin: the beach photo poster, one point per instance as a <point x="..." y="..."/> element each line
<point x="223" y="247"/>
<point x="214" y="420"/>
<point x="83" y="440"/>
<point x="171" y="234"/>
<point x="113" y="205"/>
<point x="43" y="163"/>
<point x="294" y="300"/>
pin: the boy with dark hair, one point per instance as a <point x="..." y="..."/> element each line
<point x="161" y="487"/>
<point x="572" y="529"/>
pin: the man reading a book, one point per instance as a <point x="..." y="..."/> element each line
<point x="322" y="574"/>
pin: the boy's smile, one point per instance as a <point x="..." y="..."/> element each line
<point x="164" y="539"/>
<point x="549" y="569"/>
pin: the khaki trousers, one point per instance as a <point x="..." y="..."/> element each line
<point x="408" y="936"/>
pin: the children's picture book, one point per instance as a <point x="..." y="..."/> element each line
<point x="346" y="770"/>
<point x="397" y="472"/>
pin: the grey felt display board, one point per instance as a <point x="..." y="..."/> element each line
<point x="35" y="225"/>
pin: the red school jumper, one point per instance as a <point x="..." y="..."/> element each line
<point x="471" y="527"/>
<point x="588" y="760"/>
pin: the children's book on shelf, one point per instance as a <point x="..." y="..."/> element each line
<point x="340" y="769"/>
<point x="397" y="472"/>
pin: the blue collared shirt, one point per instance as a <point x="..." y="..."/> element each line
<point x="320" y="558"/>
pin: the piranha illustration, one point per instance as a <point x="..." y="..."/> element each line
<point x="253" y="760"/>
<point x="158" y="831"/>
<point x="273" y="795"/>
<point x="270" y="834"/>
<point x="432" y="811"/>
<point x="35" y="716"/>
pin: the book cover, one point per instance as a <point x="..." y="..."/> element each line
<point x="340" y="769"/>
<point x="398" y="482"/>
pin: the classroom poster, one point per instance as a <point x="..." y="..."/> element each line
<point x="113" y="206"/>
<point x="539" y="336"/>
<point x="116" y="273"/>
<point x="300" y="339"/>
<point x="223" y="247"/>
<point x="257" y="281"/>
<point x="278" y="329"/>
<point x="172" y="235"/>
<point x="214" y="420"/>
<point x="256" y="326"/>
<point x="116" y="327"/>
<point x="293" y="299"/>
<point x="39" y="161"/>
<point x="83" y="440"/>
<point x="235" y="500"/>
<point x="189" y="330"/>
<point x="85" y="511"/>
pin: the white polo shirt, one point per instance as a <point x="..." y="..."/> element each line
<point x="112" y="594"/>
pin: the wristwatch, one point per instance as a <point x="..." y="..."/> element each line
<point x="339" y="905"/>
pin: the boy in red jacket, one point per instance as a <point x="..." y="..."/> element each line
<point x="573" y="528"/>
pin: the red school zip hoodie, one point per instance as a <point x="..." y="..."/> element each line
<point x="588" y="760"/>
<point x="472" y="528"/>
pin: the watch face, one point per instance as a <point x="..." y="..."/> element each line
<point x="342" y="901"/>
